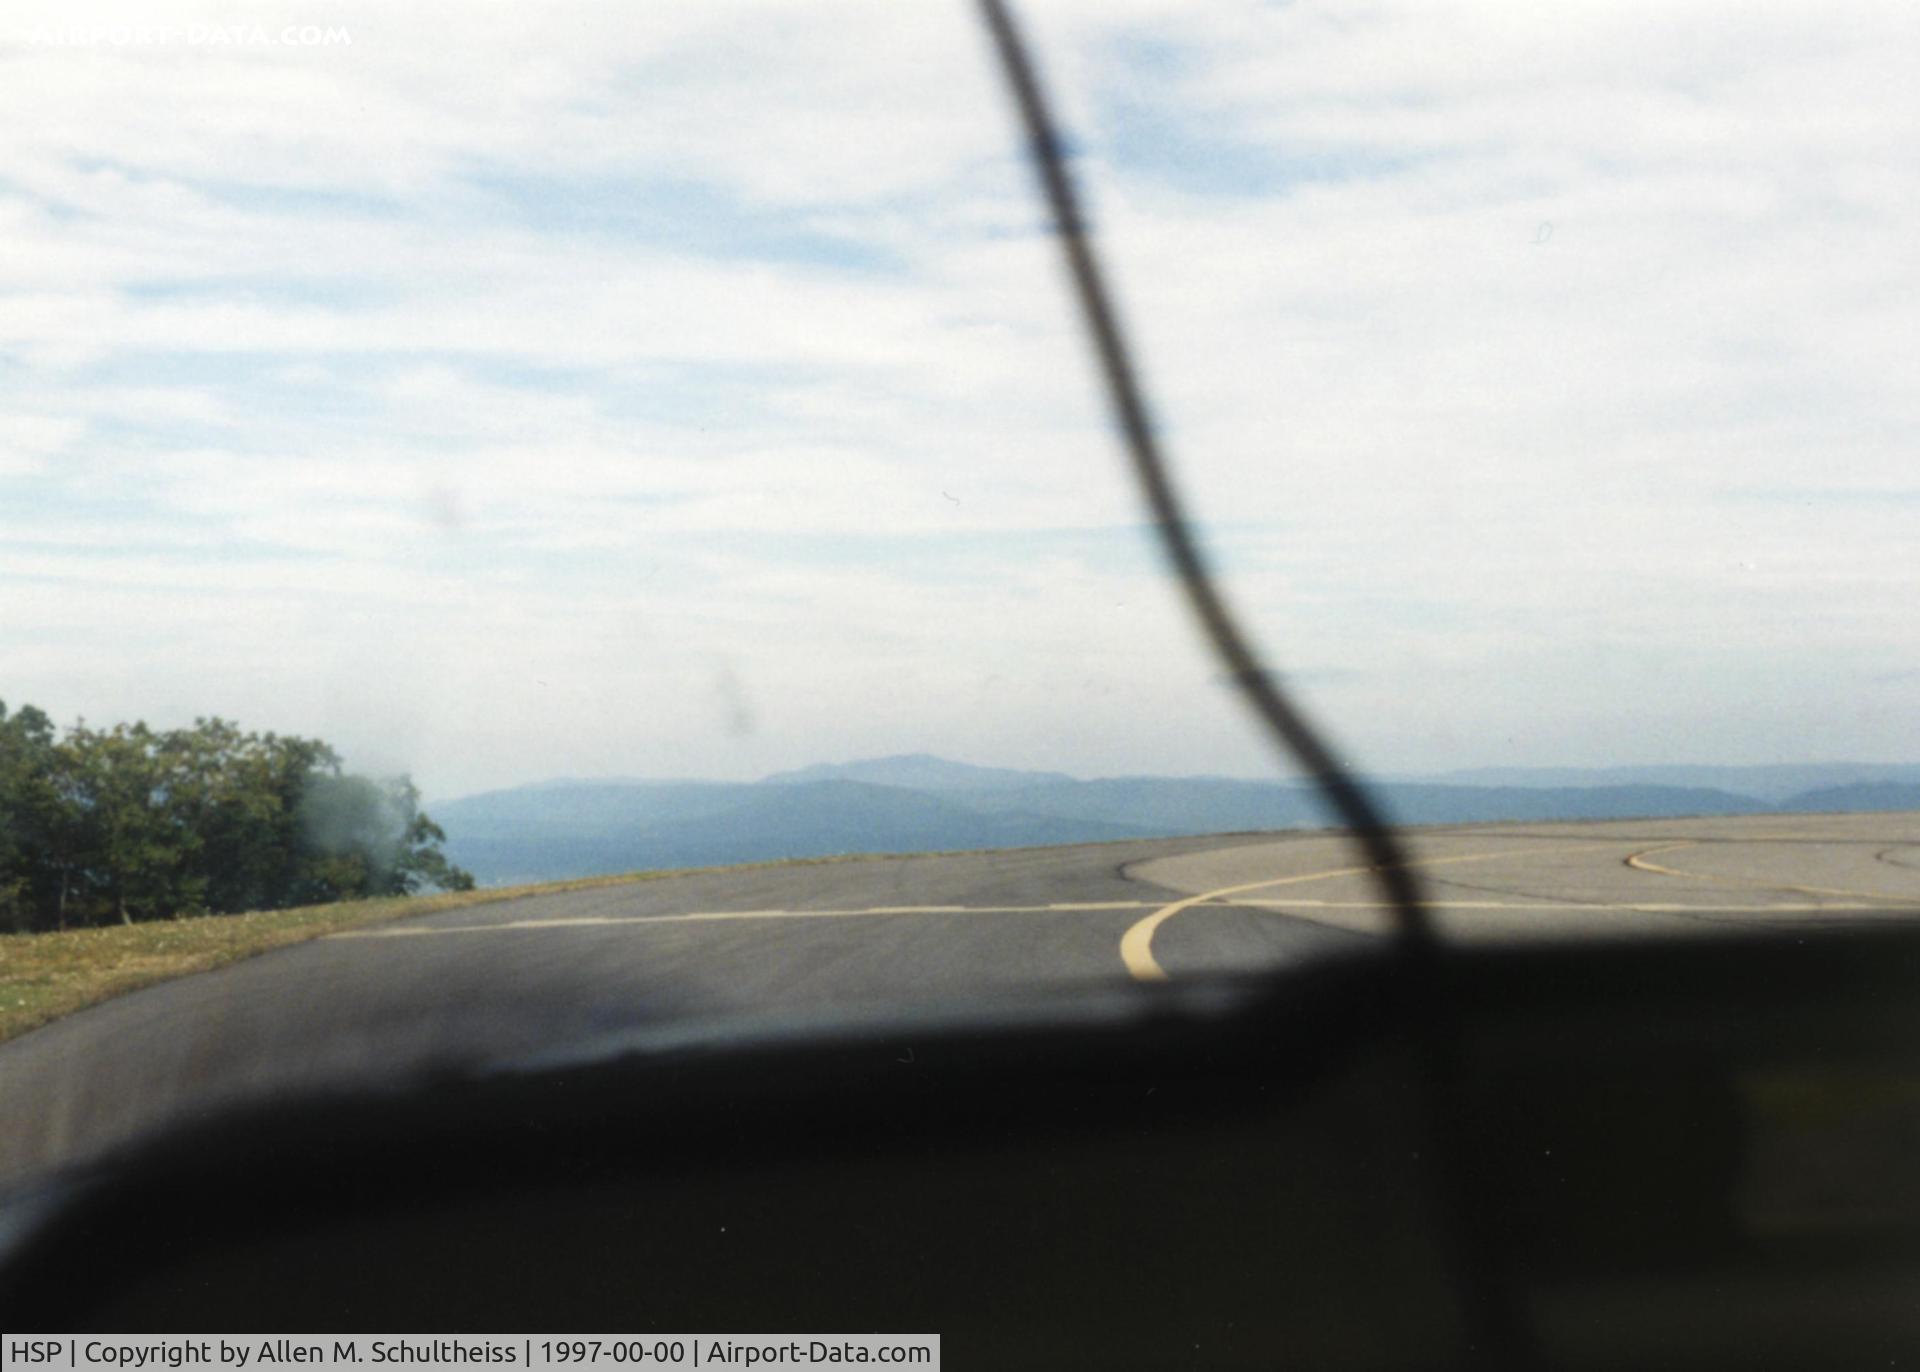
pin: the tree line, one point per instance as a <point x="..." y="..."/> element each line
<point x="131" y="823"/>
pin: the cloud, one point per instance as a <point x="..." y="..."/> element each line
<point x="480" y="391"/>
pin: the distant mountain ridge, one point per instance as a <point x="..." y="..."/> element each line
<point x="916" y="771"/>
<point x="1775" y="783"/>
<point x="920" y="803"/>
<point x="1860" y="798"/>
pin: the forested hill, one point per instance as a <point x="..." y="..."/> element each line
<point x="131" y="823"/>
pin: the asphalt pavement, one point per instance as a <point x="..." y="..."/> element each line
<point x="499" y="982"/>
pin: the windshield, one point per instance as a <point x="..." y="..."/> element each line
<point x="522" y="524"/>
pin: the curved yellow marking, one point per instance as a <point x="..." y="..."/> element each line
<point x="1639" y="861"/>
<point x="1136" y="945"/>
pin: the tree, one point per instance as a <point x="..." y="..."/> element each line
<point x="134" y="845"/>
<point x="27" y="812"/>
<point x="421" y="863"/>
<point x="361" y="837"/>
<point x="129" y="823"/>
<point x="240" y="793"/>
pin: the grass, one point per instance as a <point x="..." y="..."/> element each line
<point x="45" y="976"/>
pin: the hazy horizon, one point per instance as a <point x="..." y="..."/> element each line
<point x="1274" y="775"/>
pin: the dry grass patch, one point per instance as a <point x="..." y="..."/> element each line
<point x="44" y="976"/>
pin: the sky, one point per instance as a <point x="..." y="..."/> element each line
<point x="503" y="392"/>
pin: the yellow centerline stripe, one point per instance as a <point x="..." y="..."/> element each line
<point x="710" y="916"/>
<point x="1136" y="945"/>
<point x="1639" y="862"/>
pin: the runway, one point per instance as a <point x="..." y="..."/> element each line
<point x="1629" y="878"/>
<point x="465" y="989"/>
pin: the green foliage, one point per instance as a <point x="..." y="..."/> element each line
<point x="132" y="824"/>
<point x="27" y="809"/>
<point x="361" y="837"/>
